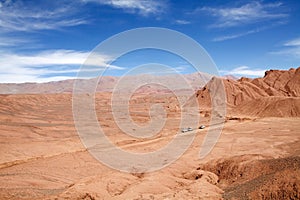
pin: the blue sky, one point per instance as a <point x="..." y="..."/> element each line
<point x="47" y="40"/>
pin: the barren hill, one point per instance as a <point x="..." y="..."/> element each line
<point x="276" y="94"/>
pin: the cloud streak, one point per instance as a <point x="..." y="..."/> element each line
<point x="250" y="13"/>
<point x="51" y="66"/>
<point x="294" y="42"/>
<point x="11" y="42"/>
<point x="183" y="22"/>
<point x="233" y="36"/>
<point x="142" y="7"/>
<point x="256" y="30"/>
<point x="26" y="17"/>
<point x="245" y="71"/>
<point x="290" y="48"/>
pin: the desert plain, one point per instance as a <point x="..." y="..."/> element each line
<point x="256" y="156"/>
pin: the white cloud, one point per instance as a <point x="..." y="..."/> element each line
<point x="290" y="48"/>
<point x="181" y="69"/>
<point x="142" y="7"/>
<point x="292" y="52"/>
<point x="256" y="30"/>
<point x="229" y="37"/>
<point x="19" y="78"/>
<point x="250" y="13"/>
<point x="12" y="41"/>
<point x="244" y="71"/>
<point x="158" y="69"/>
<point x="51" y="66"/>
<point x="182" y="22"/>
<point x="294" y="42"/>
<point x="23" y="16"/>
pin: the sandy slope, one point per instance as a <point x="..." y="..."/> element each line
<point x="270" y="107"/>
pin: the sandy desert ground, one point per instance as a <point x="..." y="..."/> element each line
<point x="256" y="157"/>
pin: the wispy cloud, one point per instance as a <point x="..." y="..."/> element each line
<point x="250" y="13"/>
<point x="182" y="22"/>
<point x="290" y="48"/>
<point x="50" y="65"/>
<point x="25" y="16"/>
<point x="294" y="42"/>
<point x="233" y="36"/>
<point x="6" y="41"/>
<point x="254" y="30"/>
<point x="181" y="68"/>
<point x="244" y="71"/>
<point x="23" y="78"/>
<point x="142" y="7"/>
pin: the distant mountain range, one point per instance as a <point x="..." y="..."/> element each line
<point x="105" y="84"/>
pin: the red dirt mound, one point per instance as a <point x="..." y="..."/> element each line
<point x="245" y="177"/>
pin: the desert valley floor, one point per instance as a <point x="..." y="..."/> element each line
<point x="256" y="157"/>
